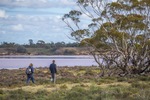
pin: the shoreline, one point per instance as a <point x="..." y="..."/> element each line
<point x="47" y="67"/>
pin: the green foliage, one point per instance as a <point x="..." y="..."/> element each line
<point x="116" y="5"/>
<point x="118" y="33"/>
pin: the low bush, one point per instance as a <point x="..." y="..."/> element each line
<point x="70" y="85"/>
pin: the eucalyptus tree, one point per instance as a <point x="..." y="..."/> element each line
<point x="118" y="33"/>
<point x="40" y="43"/>
<point x="31" y="42"/>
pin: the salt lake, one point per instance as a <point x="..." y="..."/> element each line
<point x="16" y="61"/>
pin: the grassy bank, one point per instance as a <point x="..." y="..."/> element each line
<point x="73" y="83"/>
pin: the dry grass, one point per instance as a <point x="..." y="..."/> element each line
<point x="72" y="82"/>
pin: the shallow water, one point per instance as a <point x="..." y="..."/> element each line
<point x="11" y="62"/>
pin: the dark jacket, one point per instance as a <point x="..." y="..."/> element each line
<point x="52" y="68"/>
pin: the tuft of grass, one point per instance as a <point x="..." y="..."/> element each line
<point x="121" y="79"/>
<point x="142" y="95"/>
<point x="140" y="85"/>
<point x="105" y="80"/>
<point x="64" y="86"/>
<point x="144" y="78"/>
<point x="89" y="72"/>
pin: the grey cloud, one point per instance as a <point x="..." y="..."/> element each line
<point x="25" y="21"/>
<point x="36" y="3"/>
<point x="33" y="24"/>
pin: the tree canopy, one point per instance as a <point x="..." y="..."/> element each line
<point x="118" y="35"/>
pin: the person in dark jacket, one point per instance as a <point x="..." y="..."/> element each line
<point x="29" y="73"/>
<point x="53" y="71"/>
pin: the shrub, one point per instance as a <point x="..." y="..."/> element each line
<point x="21" y="49"/>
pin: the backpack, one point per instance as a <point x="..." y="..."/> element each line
<point x="29" y="70"/>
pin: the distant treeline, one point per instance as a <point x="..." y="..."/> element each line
<point x="38" y="48"/>
<point x="40" y="43"/>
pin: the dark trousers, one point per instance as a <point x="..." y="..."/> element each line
<point x="53" y="77"/>
<point x="30" y="77"/>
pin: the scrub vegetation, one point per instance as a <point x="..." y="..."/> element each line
<point x="42" y="48"/>
<point x="73" y="83"/>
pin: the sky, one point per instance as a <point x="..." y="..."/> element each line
<point x="21" y="20"/>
